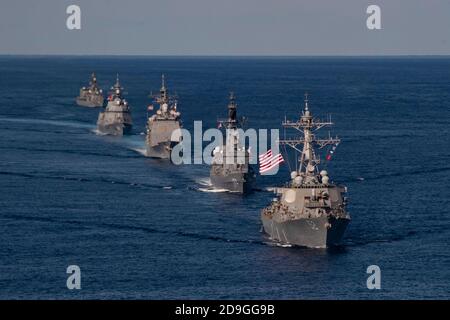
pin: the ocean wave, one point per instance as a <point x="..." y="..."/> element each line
<point x="116" y="226"/>
<point x="397" y="174"/>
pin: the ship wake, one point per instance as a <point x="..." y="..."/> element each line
<point x="87" y="180"/>
<point x="72" y="124"/>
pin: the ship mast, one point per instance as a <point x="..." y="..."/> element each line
<point x="309" y="161"/>
<point x="163" y="98"/>
<point x="231" y="125"/>
<point x="117" y="89"/>
<point x="232" y="121"/>
<point x="93" y="82"/>
<point x="232" y="106"/>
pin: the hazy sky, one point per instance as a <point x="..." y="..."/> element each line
<point x="226" y="27"/>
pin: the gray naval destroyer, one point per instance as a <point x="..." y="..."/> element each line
<point x="91" y="96"/>
<point x="309" y="210"/>
<point x="230" y="168"/>
<point x="160" y="126"/>
<point x="115" y="119"/>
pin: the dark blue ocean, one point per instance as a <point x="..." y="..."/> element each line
<point x="143" y="229"/>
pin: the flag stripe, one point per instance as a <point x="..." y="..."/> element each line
<point x="274" y="158"/>
<point x="273" y="165"/>
<point x="266" y="161"/>
<point x="265" y="155"/>
<point x="270" y="168"/>
<point x="274" y="161"/>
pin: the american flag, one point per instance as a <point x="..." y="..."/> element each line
<point x="267" y="161"/>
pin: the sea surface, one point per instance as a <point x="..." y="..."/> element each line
<point x="140" y="228"/>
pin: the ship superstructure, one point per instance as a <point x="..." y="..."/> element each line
<point x="115" y="119"/>
<point x="161" y="137"/>
<point x="91" y="96"/>
<point x="230" y="168"/>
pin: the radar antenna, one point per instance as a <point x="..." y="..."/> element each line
<point x="308" y="161"/>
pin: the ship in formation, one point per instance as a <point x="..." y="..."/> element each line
<point x="309" y="210"/>
<point x="163" y="127"/>
<point x="115" y="119"/>
<point x="230" y="168"/>
<point x="91" y="96"/>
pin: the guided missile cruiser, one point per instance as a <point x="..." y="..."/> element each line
<point x="115" y="119"/>
<point x="309" y="210"/>
<point x="163" y="127"/>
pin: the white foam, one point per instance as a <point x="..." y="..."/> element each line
<point x="98" y="132"/>
<point x="275" y="243"/>
<point x="204" y="182"/>
<point x="141" y="151"/>
<point x="212" y="190"/>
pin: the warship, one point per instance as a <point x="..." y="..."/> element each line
<point x="91" y="96"/>
<point x="309" y="210"/>
<point x="160" y="126"/>
<point x="115" y="119"/>
<point x="230" y="168"/>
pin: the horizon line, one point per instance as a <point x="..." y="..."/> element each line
<point x="225" y="55"/>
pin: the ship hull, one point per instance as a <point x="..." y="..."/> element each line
<point x="321" y="232"/>
<point x="233" y="182"/>
<point x="89" y="104"/>
<point x="117" y="129"/>
<point x="160" y="151"/>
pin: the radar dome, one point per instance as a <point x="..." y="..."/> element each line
<point x="298" y="180"/>
<point x="293" y="174"/>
